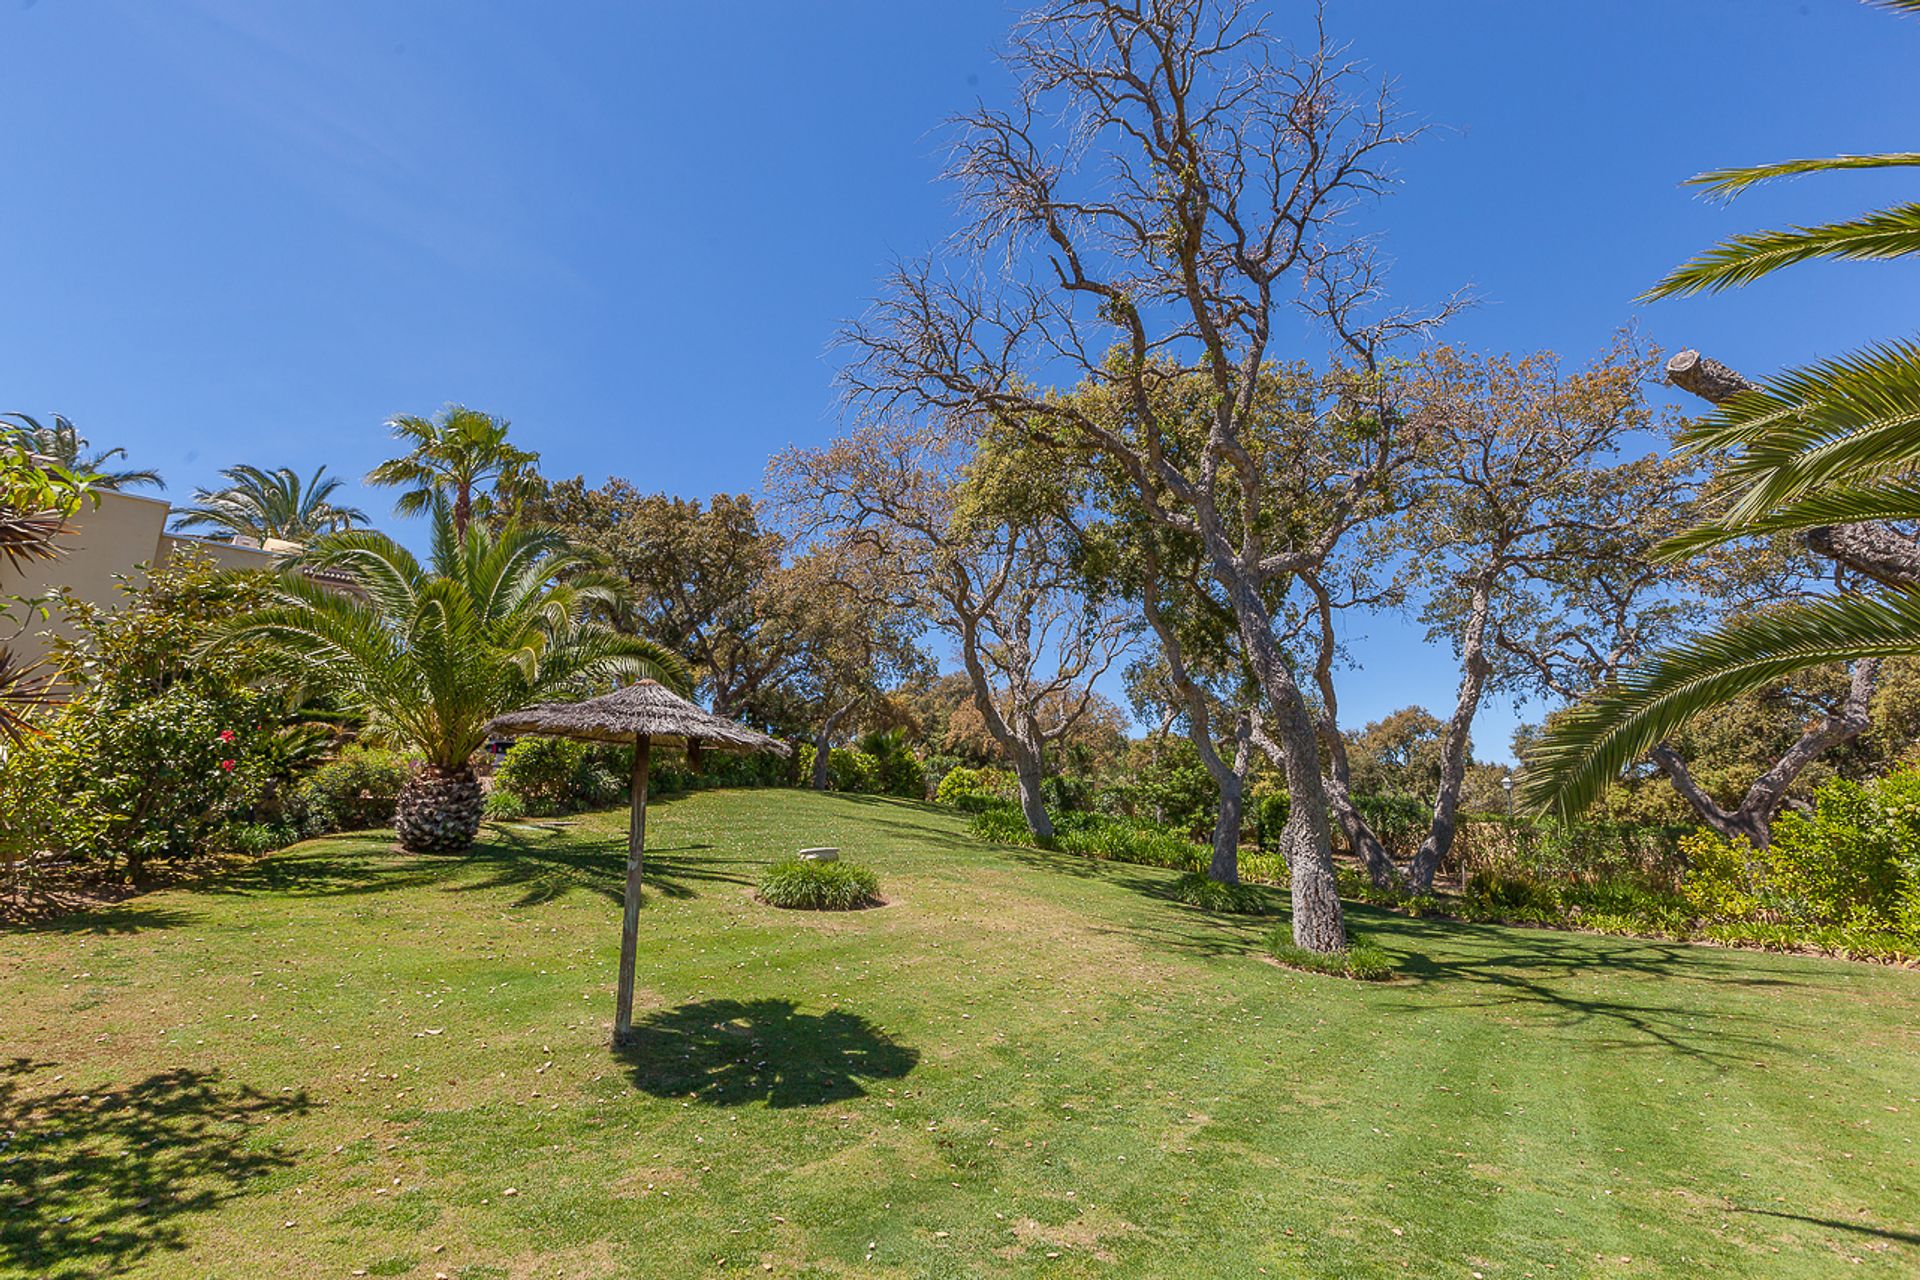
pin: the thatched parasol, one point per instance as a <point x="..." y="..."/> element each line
<point x="643" y="714"/>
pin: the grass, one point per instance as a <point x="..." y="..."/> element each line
<point x="1361" y="960"/>
<point x="1196" y="890"/>
<point x="345" y="1059"/>
<point x="801" y="884"/>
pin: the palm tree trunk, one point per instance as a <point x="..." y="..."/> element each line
<point x="439" y="810"/>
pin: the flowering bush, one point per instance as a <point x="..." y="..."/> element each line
<point x="129" y="784"/>
<point x="164" y="745"/>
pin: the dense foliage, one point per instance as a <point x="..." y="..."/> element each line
<point x="162" y="747"/>
<point x="806" y="885"/>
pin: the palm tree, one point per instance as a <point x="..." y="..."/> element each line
<point x="1830" y="450"/>
<point x="264" y="504"/>
<point x="61" y="442"/>
<point x="455" y="456"/>
<point x="36" y="500"/>
<point x="430" y="653"/>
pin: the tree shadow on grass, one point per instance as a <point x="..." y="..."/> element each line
<point x="96" y="1181"/>
<point x="1837" y="1224"/>
<point x="1674" y="1006"/>
<point x="111" y="919"/>
<point x="546" y="864"/>
<point x="732" y="1052"/>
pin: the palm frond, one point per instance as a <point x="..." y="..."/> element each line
<point x="1885" y="233"/>
<point x="1731" y="182"/>
<point x="1593" y="742"/>
<point x="1850" y="421"/>
<point x="1851" y="504"/>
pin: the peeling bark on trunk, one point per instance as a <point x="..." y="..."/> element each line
<point x="1318" y="923"/>
<point x="1753" y="820"/>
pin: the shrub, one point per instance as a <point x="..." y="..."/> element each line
<point x="505" y="806"/>
<point x="557" y="775"/>
<point x="1125" y="840"/>
<point x="961" y="786"/>
<point x="355" y="791"/>
<point x="1197" y="890"/>
<point x="1853" y="863"/>
<point x="899" y="770"/>
<point x="805" y="885"/>
<point x="1264" y="868"/>
<point x="254" y="838"/>
<point x="1401" y="821"/>
<point x="999" y="823"/>
<point x="1065" y="794"/>
<point x="543" y="772"/>
<point x="1361" y="960"/>
<point x="137" y="780"/>
<point x="848" y="770"/>
<point x="1270" y="818"/>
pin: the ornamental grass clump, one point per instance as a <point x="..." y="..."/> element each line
<point x="801" y="884"/>
<point x="1197" y="890"/>
<point x="1361" y="960"/>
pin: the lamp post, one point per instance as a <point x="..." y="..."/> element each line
<point x="1507" y="782"/>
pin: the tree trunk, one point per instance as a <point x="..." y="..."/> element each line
<point x="1475" y="668"/>
<point x="1318" y="923"/>
<point x="439" y="810"/>
<point x="823" y="744"/>
<point x="1029" y="771"/>
<point x="462" y="510"/>
<point x="1359" y="833"/>
<point x="1225" y="866"/>
<point x="1338" y="782"/>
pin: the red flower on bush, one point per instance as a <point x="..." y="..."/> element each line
<point x="226" y="735"/>
<point x="227" y="765"/>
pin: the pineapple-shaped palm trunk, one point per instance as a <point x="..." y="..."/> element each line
<point x="439" y="810"/>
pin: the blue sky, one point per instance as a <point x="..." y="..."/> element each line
<point x="241" y="232"/>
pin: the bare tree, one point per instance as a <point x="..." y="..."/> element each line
<point x="1000" y="583"/>
<point x="1171" y="178"/>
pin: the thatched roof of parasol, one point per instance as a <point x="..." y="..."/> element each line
<point x="644" y="708"/>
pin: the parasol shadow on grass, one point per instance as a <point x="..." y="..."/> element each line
<point x="644" y="714"/>
<point x="733" y="1052"/>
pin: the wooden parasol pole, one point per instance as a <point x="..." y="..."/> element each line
<point x="630" y="913"/>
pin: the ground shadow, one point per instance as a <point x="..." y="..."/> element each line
<point x="1839" y="1224"/>
<point x="545" y="864"/>
<point x="95" y="1181"/>
<point x="1488" y="966"/>
<point x="79" y="918"/>
<point x="731" y="1052"/>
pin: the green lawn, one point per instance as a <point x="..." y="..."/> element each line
<point x="347" y="1061"/>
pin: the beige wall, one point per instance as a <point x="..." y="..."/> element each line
<point x="121" y="535"/>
